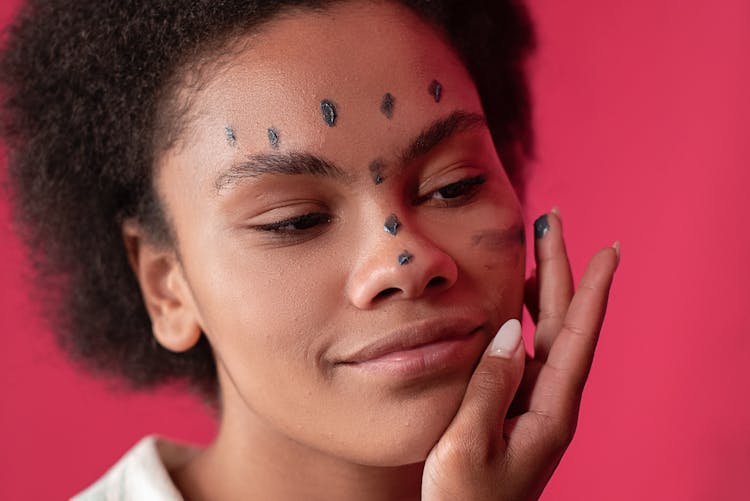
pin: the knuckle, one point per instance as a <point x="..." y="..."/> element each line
<point x="551" y="315"/>
<point x="575" y="329"/>
<point x="590" y="287"/>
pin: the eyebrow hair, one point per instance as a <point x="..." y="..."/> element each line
<point x="286" y="163"/>
<point x="303" y="163"/>
<point x="440" y="130"/>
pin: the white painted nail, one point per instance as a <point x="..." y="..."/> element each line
<point x="616" y="247"/>
<point x="507" y="339"/>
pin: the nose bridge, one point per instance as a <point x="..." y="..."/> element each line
<point x="397" y="261"/>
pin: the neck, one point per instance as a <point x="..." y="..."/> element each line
<point x="249" y="459"/>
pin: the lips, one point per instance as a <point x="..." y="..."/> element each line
<point x="412" y="338"/>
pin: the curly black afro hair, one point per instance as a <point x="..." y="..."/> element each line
<point x="82" y="83"/>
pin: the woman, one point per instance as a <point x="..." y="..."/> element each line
<point x="299" y="207"/>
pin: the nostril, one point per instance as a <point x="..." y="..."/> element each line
<point x="387" y="293"/>
<point x="437" y="282"/>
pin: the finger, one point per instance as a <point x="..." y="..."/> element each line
<point x="565" y="372"/>
<point x="536" y="440"/>
<point x="554" y="281"/>
<point x="478" y="422"/>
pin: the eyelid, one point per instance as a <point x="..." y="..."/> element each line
<point x="319" y="218"/>
<point x="472" y="181"/>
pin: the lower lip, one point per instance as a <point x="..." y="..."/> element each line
<point x="441" y="356"/>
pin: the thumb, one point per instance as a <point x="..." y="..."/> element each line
<point x="491" y="390"/>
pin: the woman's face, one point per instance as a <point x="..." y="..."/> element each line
<point x="329" y="329"/>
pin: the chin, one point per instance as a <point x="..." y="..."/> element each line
<point x="408" y="437"/>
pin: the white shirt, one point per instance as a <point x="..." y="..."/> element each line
<point x="142" y="474"/>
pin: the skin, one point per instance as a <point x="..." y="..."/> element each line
<point x="286" y="310"/>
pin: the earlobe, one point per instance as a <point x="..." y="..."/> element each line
<point x="168" y="299"/>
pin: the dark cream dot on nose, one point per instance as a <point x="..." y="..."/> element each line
<point x="405" y="258"/>
<point x="392" y="224"/>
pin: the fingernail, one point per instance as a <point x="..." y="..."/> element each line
<point x="541" y="226"/>
<point x="556" y="211"/>
<point x="616" y="247"/>
<point x="506" y="340"/>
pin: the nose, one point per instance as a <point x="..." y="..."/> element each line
<point x="407" y="266"/>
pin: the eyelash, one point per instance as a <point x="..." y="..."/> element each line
<point x="451" y="195"/>
<point x="305" y="221"/>
<point x="454" y="194"/>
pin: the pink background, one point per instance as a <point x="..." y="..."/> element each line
<point x="643" y="121"/>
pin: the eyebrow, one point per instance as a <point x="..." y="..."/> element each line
<point x="303" y="163"/>
<point x="290" y="164"/>
<point x="440" y="130"/>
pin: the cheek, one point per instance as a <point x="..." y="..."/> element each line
<point x="260" y="310"/>
<point x="491" y="253"/>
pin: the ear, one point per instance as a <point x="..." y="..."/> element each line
<point x="169" y="301"/>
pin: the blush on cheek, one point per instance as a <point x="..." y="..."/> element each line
<point x="499" y="239"/>
<point x="504" y="249"/>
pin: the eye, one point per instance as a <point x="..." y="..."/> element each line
<point x="456" y="193"/>
<point x="297" y="224"/>
<point x="460" y="188"/>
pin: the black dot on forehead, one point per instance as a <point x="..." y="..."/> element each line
<point x="387" y="105"/>
<point x="230" y="135"/>
<point x="273" y="138"/>
<point x="436" y="90"/>
<point x="329" y="112"/>
<point x="392" y="224"/>
<point x="405" y="258"/>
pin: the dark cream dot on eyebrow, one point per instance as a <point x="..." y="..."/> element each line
<point x="405" y="258"/>
<point x="329" y="112"/>
<point x="387" y="105"/>
<point x="392" y="224"/>
<point x="436" y="90"/>
<point x="230" y="135"/>
<point x="376" y="171"/>
<point x="273" y="138"/>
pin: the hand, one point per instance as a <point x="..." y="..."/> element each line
<point x="503" y="448"/>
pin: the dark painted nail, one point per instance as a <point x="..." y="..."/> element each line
<point x="405" y="258"/>
<point x="541" y="226"/>
<point x="273" y="138"/>
<point x="329" y="112"/>
<point x="392" y="224"/>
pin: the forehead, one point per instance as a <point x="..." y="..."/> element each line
<point x="352" y="55"/>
